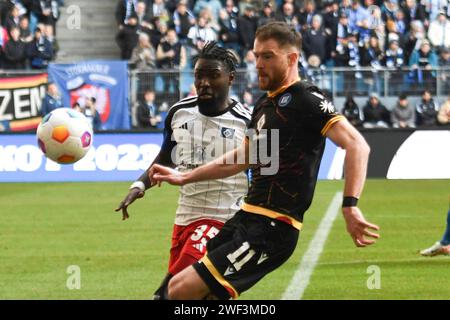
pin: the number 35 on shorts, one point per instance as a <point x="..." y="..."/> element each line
<point x="202" y="234"/>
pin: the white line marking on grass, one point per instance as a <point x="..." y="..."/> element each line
<point x="300" y="280"/>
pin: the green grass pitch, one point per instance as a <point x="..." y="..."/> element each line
<point x="45" y="228"/>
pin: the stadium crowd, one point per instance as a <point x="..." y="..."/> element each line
<point x="28" y="33"/>
<point x="409" y="37"/>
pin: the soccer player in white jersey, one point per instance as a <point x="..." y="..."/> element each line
<point x="197" y="130"/>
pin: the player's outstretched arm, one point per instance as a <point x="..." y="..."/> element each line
<point x="137" y="189"/>
<point x="228" y="165"/>
<point x="357" y="154"/>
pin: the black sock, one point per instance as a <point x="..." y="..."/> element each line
<point x="162" y="292"/>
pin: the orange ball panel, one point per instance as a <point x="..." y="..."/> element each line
<point x="66" y="159"/>
<point x="60" y="134"/>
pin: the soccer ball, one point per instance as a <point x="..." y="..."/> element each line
<point x="64" y="135"/>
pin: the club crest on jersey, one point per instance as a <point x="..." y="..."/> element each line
<point x="284" y="100"/>
<point x="227" y="133"/>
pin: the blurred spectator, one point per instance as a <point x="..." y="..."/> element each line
<point x="91" y="113"/>
<point x="432" y="7"/>
<point x="403" y="114"/>
<point x="143" y="56"/>
<point x="413" y="11"/>
<point x="343" y="32"/>
<point x="52" y="100"/>
<point x="199" y="34"/>
<point x="315" y="40"/>
<point x="357" y="15"/>
<point x="127" y="37"/>
<point x="444" y="113"/>
<point x="393" y="59"/>
<point x="143" y="19"/>
<point x="377" y="25"/>
<point x="171" y="56"/>
<point x="375" y="113"/>
<point x="413" y="39"/>
<point x="158" y="10"/>
<point x="183" y="19"/>
<point x="231" y="9"/>
<point x="439" y="31"/>
<point x="13" y="19"/>
<point x="351" y="111"/>
<point x="15" y="51"/>
<point x="444" y="62"/>
<point x="426" y="110"/>
<point x="229" y="34"/>
<point x="212" y="21"/>
<point x="347" y="55"/>
<point x="305" y="15"/>
<point x="158" y="32"/>
<point x="49" y="35"/>
<point x="247" y="100"/>
<point x="124" y="10"/>
<point x="345" y="6"/>
<point x="251" y="74"/>
<point x="46" y="11"/>
<point x="287" y="15"/>
<point x="400" y="22"/>
<point x="7" y="5"/>
<point x="372" y="56"/>
<point x="147" y="111"/>
<point x="24" y="26"/>
<point x="247" y="25"/>
<point x="388" y="9"/>
<point x="266" y="15"/>
<point x="4" y="37"/>
<point x="214" y="5"/>
<point x="330" y="24"/>
<point x="39" y="51"/>
<point x="422" y="62"/>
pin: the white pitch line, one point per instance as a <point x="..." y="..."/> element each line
<point x="301" y="278"/>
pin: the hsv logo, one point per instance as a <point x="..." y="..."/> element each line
<point x="227" y="133"/>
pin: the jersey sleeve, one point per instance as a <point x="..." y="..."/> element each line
<point x="168" y="144"/>
<point x="321" y="112"/>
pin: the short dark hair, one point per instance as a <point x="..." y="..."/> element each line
<point x="213" y="51"/>
<point x="281" y="32"/>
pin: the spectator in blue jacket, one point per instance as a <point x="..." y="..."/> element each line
<point x="39" y="51"/>
<point x="52" y="100"/>
<point x="422" y="61"/>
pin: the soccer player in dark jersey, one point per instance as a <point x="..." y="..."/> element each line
<point x="264" y="233"/>
<point x="194" y="125"/>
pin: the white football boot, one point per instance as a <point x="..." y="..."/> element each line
<point x="435" y="250"/>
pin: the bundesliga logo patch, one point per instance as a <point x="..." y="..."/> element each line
<point x="284" y="100"/>
<point x="227" y="133"/>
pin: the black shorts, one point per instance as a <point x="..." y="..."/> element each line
<point x="248" y="247"/>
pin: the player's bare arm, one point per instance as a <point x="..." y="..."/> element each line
<point x="356" y="159"/>
<point x="228" y="165"/>
<point x="143" y="183"/>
